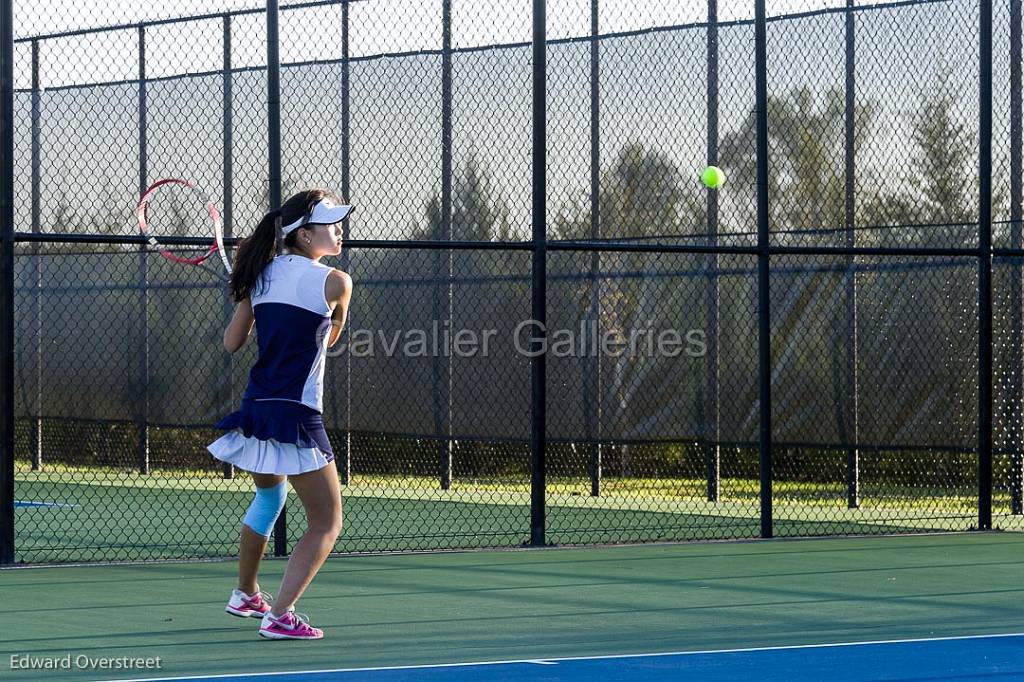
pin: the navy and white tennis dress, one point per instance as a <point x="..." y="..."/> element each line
<point x="279" y="428"/>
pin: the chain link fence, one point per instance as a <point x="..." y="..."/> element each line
<point x="831" y="343"/>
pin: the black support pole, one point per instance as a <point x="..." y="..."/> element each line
<point x="592" y="400"/>
<point x="345" y="460"/>
<point x="1015" y="402"/>
<point x="763" y="271"/>
<point x="444" y="265"/>
<point x="848" y="425"/>
<point x="227" y="111"/>
<point x="712" y="449"/>
<point x="6" y="282"/>
<point x="143" y="267"/>
<point x="985" y="270"/>
<point x="35" y="433"/>
<point x="227" y="85"/>
<point x="538" y="364"/>
<point x="273" y="106"/>
<point x="274" y="182"/>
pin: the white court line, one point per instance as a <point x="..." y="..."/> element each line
<point x="555" y="661"/>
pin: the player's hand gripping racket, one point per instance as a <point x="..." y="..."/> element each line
<point x="175" y="206"/>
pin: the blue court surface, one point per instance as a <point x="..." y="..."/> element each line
<point x="989" y="657"/>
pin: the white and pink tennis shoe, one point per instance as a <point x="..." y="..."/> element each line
<point x="289" y="626"/>
<point x="248" y="605"/>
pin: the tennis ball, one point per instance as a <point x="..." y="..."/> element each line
<point x="712" y="177"/>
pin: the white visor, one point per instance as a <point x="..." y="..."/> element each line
<point x="325" y="212"/>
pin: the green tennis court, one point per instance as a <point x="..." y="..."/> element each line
<point x="442" y="608"/>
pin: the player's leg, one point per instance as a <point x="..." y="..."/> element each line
<point x="271" y="491"/>
<point x="320" y="493"/>
<point x="321" y="496"/>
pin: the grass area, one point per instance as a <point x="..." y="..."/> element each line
<point x="116" y="514"/>
<point x="633" y="489"/>
<point x="646" y="492"/>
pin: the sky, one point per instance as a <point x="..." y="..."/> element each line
<point x="34" y="17"/>
<point x="379" y="26"/>
<point x="652" y="90"/>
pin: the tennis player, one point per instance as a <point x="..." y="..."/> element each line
<point x="298" y="306"/>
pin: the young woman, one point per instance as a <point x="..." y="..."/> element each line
<point x="298" y="306"/>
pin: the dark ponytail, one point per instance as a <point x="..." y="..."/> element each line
<point x="254" y="252"/>
<point x="257" y="250"/>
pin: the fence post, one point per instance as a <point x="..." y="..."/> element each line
<point x="849" y="426"/>
<point x="1015" y="399"/>
<point x="6" y="282"/>
<point x="274" y="182"/>
<point x="143" y="266"/>
<point x="443" y="264"/>
<point x="763" y="270"/>
<point x="345" y="461"/>
<point x="228" y="168"/>
<point x="712" y="449"/>
<point x="35" y="426"/>
<point x="985" y="270"/>
<point x="538" y="364"/>
<point x="592" y="400"/>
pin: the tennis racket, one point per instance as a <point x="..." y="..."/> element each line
<point x="173" y="206"/>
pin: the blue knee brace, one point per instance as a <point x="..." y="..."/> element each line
<point x="265" y="508"/>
